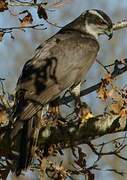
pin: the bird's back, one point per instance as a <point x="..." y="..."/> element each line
<point x="58" y="64"/>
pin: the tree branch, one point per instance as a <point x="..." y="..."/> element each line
<point x="116" y="26"/>
<point x="116" y="72"/>
<point x="66" y="135"/>
<point x="9" y="29"/>
<point x="70" y="134"/>
<point x="120" y="25"/>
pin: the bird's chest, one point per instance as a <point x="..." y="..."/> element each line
<point x="84" y="65"/>
<point x="74" y="58"/>
<point x="84" y="58"/>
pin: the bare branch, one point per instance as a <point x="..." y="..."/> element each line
<point x="45" y="5"/>
<point x="116" y="72"/>
<point x="70" y="134"/>
<point x="9" y="29"/>
<point x="120" y="25"/>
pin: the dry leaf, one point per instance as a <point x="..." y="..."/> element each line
<point x="117" y="106"/>
<point x="108" y="79"/>
<point x="111" y="93"/>
<point x="26" y="20"/>
<point x="102" y="93"/>
<point x="85" y="114"/>
<point x="42" y="12"/>
<point x="115" y="94"/>
<point x="3" y="117"/>
<point x="123" y="113"/>
<point x="1" y="35"/>
<point x="3" y="5"/>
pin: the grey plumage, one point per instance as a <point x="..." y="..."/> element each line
<point x="59" y="63"/>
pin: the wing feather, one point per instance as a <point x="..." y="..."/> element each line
<point x="54" y="68"/>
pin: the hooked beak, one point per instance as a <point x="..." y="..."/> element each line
<point x="109" y="33"/>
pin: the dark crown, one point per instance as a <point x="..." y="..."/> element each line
<point x="95" y="16"/>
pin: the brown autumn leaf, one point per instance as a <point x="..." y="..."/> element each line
<point x="102" y="93"/>
<point x="123" y="113"/>
<point x="85" y="114"/>
<point x="1" y="35"/>
<point x="3" y="117"/>
<point x="3" y="5"/>
<point x="117" y="106"/>
<point x="28" y="19"/>
<point x="42" y="12"/>
<point x="111" y="93"/>
<point x="115" y="94"/>
<point x="108" y="79"/>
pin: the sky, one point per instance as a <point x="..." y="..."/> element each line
<point x="11" y="49"/>
<point x="13" y="53"/>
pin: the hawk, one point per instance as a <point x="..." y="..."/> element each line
<point x="60" y="62"/>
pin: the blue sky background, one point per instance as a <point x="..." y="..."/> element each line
<point x="13" y="53"/>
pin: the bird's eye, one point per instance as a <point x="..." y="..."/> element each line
<point x="104" y="23"/>
<point x="101" y="22"/>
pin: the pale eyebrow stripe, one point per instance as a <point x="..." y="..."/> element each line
<point x="97" y="14"/>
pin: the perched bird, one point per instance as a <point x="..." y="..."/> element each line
<point x="60" y="62"/>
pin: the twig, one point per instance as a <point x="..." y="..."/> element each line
<point x="111" y="170"/>
<point x="105" y="68"/>
<point x="45" y="5"/>
<point x="5" y="30"/>
<point x="108" y="142"/>
<point x="117" y="71"/>
<point x="120" y="25"/>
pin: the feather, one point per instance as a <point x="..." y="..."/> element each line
<point x="59" y="63"/>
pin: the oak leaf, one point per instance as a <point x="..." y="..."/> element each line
<point x="117" y="106"/>
<point x="1" y="35"/>
<point x="42" y="12"/>
<point x="102" y="93"/>
<point x="123" y="113"/>
<point x="28" y="19"/>
<point x="3" y="5"/>
<point x="3" y="117"/>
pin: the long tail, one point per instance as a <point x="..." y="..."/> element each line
<point x="22" y="136"/>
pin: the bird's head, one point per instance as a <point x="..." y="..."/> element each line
<point x="97" y="23"/>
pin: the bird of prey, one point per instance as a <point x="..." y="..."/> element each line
<point x="60" y="62"/>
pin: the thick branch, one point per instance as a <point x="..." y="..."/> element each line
<point x="65" y="135"/>
<point x="70" y="134"/>
<point x="120" y="25"/>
